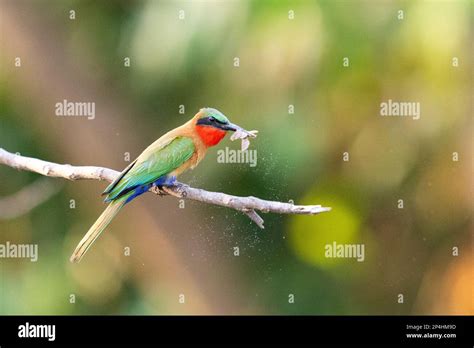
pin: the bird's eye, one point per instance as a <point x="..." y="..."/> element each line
<point x="212" y="119"/>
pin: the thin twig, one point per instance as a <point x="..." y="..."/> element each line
<point x="247" y="205"/>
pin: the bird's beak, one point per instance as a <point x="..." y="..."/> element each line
<point x="230" y="127"/>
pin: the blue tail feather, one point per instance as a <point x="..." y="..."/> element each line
<point x="165" y="180"/>
<point x="138" y="191"/>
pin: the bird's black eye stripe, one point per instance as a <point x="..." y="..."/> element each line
<point x="213" y="119"/>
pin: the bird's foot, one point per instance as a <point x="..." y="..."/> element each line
<point x="159" y="190"/>
<point x="165" y="181"/>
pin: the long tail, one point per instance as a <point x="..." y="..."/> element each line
<point x="96" y="229"/>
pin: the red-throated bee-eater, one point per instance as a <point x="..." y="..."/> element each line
<point x="159" y="164"/>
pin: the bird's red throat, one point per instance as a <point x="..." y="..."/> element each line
<point x="210" y="136"/>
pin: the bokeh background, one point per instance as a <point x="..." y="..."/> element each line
<point x="283" y="62"/>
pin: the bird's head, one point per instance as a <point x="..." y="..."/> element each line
<point x="212" y="126"/>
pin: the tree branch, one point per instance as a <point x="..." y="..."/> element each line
<point x="246" y="205"/>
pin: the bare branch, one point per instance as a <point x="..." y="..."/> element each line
<point x="246" y="205"/>
<point x="252" y="214"/>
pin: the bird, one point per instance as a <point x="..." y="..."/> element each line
<point x="160" y="164"/>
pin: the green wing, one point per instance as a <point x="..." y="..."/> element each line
<point x="146" y="170"/>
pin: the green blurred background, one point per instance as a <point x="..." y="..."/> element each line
<point x="283" y="62"/>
